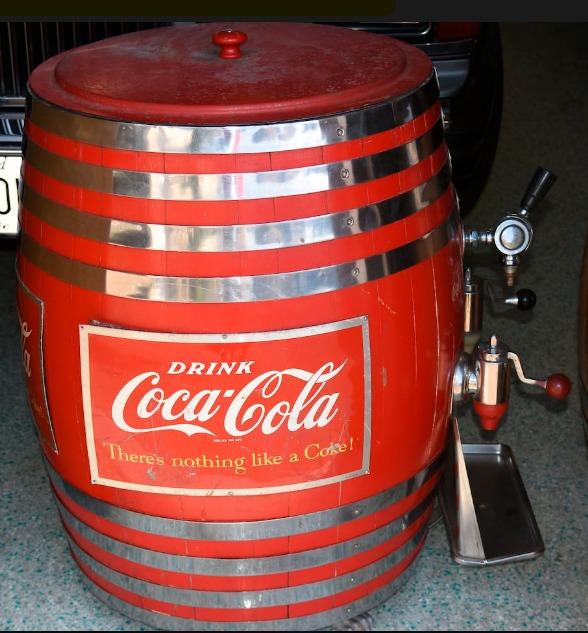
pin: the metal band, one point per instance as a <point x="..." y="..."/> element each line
<point x="250" y="599"/>
<point x="246" y="566"/>
<point x="267" y="287"/>
<point x="244" y="237"/>
<point x="245" y="530"/>
<point x="244" y="139"/>
<point x="303" y="623"/>
<point x="235" y="186"/>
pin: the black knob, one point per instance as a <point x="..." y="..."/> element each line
<point x="540" y="184"/>
<point x="526" y="299"/>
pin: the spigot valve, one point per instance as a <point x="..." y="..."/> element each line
<point x="513" y="234"/>
<point x="485" y="377"/>
<point x="474" y="288"/>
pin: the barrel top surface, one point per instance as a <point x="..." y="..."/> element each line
<point x="286" y="71"/>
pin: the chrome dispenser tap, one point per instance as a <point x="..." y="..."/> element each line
<point x="483" y="370"/>
<point x="513" y="234"/>
<point x="474" y="292"/>
<point x="485" y="377"/>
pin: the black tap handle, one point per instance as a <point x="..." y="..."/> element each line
<point x="540" y="184"/>
<point x="526" y="299"/>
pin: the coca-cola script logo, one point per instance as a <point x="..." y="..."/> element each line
<point x="226" y="414"/>
<point x="249" y="409"/>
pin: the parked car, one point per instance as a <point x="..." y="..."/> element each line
<point x="466" y="56"/>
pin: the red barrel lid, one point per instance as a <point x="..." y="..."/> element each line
<point x="222" y="74"/>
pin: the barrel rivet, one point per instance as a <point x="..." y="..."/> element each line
<point x="344" y="173"/>
<point x="356" y="512"/>
<point x="340" y="131"/>
<point x="350" y="221"/>
<point x="356" y="271"/>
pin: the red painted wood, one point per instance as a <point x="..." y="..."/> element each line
<point x="558" y="386"/>
<point x="229" y="41"/>
<point x="245" y="582"/>
<point x="232" y="163"/>
<point x="256" y="614"/>
<point x="313" y="70"/>
<point x="415" y="316"/>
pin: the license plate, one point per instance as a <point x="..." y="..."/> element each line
<point x="9" y="181"/>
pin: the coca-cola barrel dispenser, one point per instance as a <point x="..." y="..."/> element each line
<point x="242" y="303"/>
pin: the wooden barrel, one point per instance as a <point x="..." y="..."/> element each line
<point x="241" y="304"/>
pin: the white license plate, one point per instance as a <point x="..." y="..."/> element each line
<point x="9" y="181"/>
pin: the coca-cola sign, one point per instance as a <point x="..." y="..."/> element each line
<point x="30" y="316"/>
<point x="226" y="414"/>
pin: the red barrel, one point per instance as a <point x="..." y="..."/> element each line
<point x="241" y="303"/>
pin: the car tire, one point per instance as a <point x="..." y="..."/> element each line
<point x="583" y="339"/>
<point x="476" y="113"/>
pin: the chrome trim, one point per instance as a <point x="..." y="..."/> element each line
<point x="250" y="599"/>
<point x="242" y="237"/>
<point x="452" y="74"/>
<point x="234" y="186"/>
<point x="302" y="623"/>
<point x="11" y="151"/>
<point x="245" y="530"/>
<point x="235" y="139"/>
<point x="413" y="30"/>
<point x="268" y="287"/>
<point x="245" y="566"/>
<point x="11" y="128"/>
<point x="457" y="502"/>
<point x="449" y="49"/>
<point x="12" y="102"/>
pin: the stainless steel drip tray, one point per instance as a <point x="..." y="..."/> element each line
<point x="507" y="525"/>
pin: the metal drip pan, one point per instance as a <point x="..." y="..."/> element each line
<point x="506" y="525"/>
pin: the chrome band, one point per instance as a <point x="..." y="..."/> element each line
<point x="235" y="186"/>
<point x="244" y="237"/>
<point x="249" y="599"/>
<point x="245" y="566"/>
<point x="303" y="623"/>
<point x="268" y="287"/>
<point x="245" y="530"/>
<point x="241" y="139"/>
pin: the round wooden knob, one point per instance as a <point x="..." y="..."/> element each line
<point x="558" y="386"/>
<point x="229" y="41"/>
